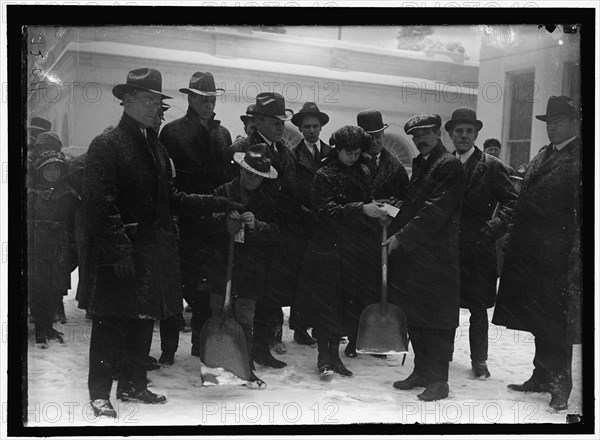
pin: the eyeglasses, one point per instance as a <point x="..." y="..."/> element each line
<point x="148" y="103"/>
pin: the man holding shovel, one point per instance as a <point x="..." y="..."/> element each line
<point x="425" y="278"/>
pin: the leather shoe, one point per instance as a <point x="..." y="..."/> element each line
<point x="268" y="360"/>
<point x="152" y="364"/>
<point x="341" y="369"/>
<point x="195" y="350"/>
<point x="411" y="382"/>
<point x="350" y="350"/>
<point x="144" y="396"/>
<point x="167" y="358"/>
<point x="434" y="391"/>
<point x="103" y="407"/>
<point x="529" y="386"/>
<point x="480" y="368"/>
<point x="302" y="337"/>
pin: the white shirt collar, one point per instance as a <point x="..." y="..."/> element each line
<point x="311" y="147"/>
<point x="425" y="156"/>
<point x="464" y="157"/>
<point x="144" y="132"/>
<point x="563" y="144"/>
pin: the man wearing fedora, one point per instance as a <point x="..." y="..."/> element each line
<point x="256" y="227"/>
<point x="423" y="247"/>
<point x="197" y="144"/>
<point x="248" y="121"/>
<point x="488" y="184"/>
<point x="270" y="115"/>
<point x="540" y="287"/>
<point x="133" y="278"/>
<point x="308" y="153"/>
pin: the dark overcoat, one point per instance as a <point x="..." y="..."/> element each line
<point x="334" y="265"/>
<point x="390" y="179"/>
<point x="282" y="288"/>
<point x="128" y="195"/>
<point x="306" y="168"/>
<point x="200" y="156"/>
<point x="487" y="184"/>
<point x="540" y="285"/>
<point x="424" y="269"/>
<point x="252" y="259"/>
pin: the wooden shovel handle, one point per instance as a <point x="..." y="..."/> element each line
<point x="384" y="259"/>
<point x="227" y="302"/>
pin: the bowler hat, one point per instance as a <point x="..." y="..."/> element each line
<point x="248" y="114"/>
<point x="49" y="139"/>
<point x="309" y="109"/>
<point x="272" y="104"/>
<point x="370" y="121"/>
<point x="255" y="159"/>
<point x="144" y="79"/>
<point x="202" y="83"/>
<point x="40" y="124"/>
<point x="463" y="115"/>
<point x="423" y="120"/>
<point x="559" y="105"/>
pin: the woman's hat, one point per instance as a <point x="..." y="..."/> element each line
<point x="272" y="104"/>
<point x="559" y="105"/>
<point x="255" y="159"/>
<point x="309" y="109"/>
<point x="463" y="115"/>
<point x="144" y="79"/>
<point x="202" y="83"/>
<point x="371" y="121"/>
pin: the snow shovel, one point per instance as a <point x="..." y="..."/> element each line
<point x="222" y="339"/>
<point x="382" y="328"/>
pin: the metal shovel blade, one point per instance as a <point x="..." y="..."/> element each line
<point x="223" y="344"/>
<point x="382" y="330"/>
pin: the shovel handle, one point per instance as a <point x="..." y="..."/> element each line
<point x="227" y="302"/>
<point x="384" y="259"/>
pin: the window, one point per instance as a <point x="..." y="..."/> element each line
<point x="572" y="82"/>
<point x="522" y="88"/>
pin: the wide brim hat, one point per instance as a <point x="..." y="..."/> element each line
<point x="273" y="105"/>
<point x="256" y="161"/>
<point x="463" y="115"/>
<point x="39" y="125"/>
<point x="247" y="116"/>
<point x="145" y="79"/>
<point x="423" y="120"/>
<point x="49" y="139"/>
<point x="310" y="109"/>
<point x="371" y="121"/>
<point x="559" y="105"/>
<point x="202" y="83"/>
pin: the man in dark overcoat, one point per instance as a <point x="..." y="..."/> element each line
<point x="197" y="144"/>
<point x="424" y="263"/>
<point x="270" y="116"/>
<point x="488" y="184"/>
<point x="540" y="287"/>
<point x="134" y="265"/>
<point x="308" y="153"/>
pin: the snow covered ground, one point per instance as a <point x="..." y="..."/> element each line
<point x="58" y="395"/>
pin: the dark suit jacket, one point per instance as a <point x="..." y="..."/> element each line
<point x="540" y="285"/>
<point x="306" y="168"/>
<point x="424" y="271"/>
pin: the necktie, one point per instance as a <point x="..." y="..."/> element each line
<point x="373" y="165"/>
<point x="316" y="153"/>
<point x="550" y="151"/>
<point x="417" y="167"/>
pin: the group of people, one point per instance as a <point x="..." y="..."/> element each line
<point x="157" y="209"/>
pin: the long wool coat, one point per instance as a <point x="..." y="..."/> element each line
<point x="424" y="269"/>
<point x="200" y="157"/>
<point x="334" y="268"/>
<point x="391" y="178"/>
<point x="488" y="183"/>
<point x="128" y="194"/>
<point x="540" y="287"/>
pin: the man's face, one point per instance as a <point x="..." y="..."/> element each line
<point x="311" y="128"/>
<point x="203" y="105"/>
<point x="463" y="136"/>
<point x="249" y="180"/>
<point x="271" y="128"/>
<point x="493" y="151"/>
<point x="142" y="107"/>
<point x="376" y="143"/>
<point x="250" y="126"/>
<point x="425" y="139"/>
<point x="560" y="128"/>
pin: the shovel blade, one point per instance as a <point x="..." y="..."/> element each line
<point x="223" y="344"/>
<point x="382" y="330"/>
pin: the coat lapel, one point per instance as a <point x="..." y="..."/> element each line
<point x="306" y="159"/>
<point x="541" y="167"/>
<point x="475" y="168"/>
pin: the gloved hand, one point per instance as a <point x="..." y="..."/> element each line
<point x="225" y="203"/>
<point x="125" y="268"/>
<point x="233" y="222"/>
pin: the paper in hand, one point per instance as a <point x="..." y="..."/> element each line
<point x="390" y="209"/>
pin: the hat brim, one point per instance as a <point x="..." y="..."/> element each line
<point x="449" y="126"/>
<point x="437" y="127"/>
<point x="378" y="130"/>
<point x="120" y="90"/>
<point x="217" y="92"/>
<point x="289" y="114"/>
<point x="245" y="118"/>
<point x="544" y="118"/>
<point x="239" y="158"/>
<point x="297" y="118"/>
<point x="37" y="129"/>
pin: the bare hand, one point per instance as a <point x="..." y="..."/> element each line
<point x="391" y="243"/>
<point x="374" y="210"/>
<point x="233" y="222"/>
<point x="124" y="268"/>
<point x="248" y="218"/>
